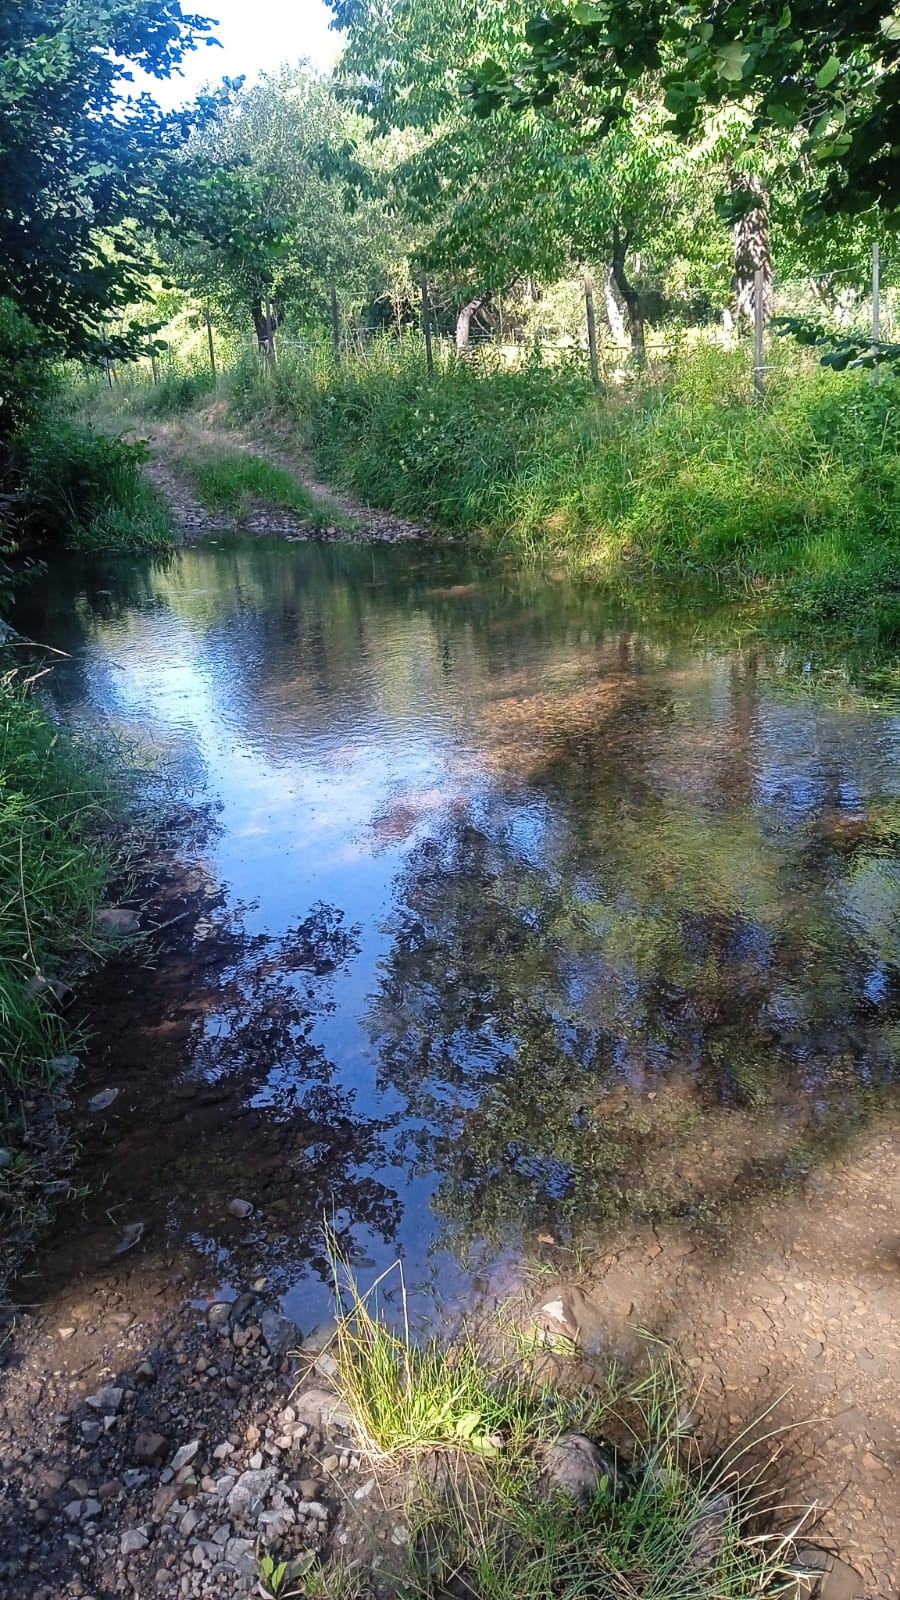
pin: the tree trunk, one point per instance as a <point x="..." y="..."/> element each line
<point x="752" y="253"/>
<point x="614" y="314"/>
<point x="258" y="312"/>
<point x="464" y="323"/>
<point x="630" y="296"/>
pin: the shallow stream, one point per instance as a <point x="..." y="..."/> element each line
<point x="523" y="919"/>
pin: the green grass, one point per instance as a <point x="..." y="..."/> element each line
<point x="55" y="798"/>
<point x="682" y="476"/>
<point x="87" y="490"/>
<point x="489" y="1409"/>
<point x="237" y="482"/>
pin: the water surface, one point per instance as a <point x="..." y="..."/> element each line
<point x="531" y="917"/>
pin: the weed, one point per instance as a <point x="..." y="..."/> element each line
<point x="87" y="490"/>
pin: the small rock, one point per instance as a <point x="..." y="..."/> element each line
<point x="132" y="1234"/>
<point x="117" y="923"/>
<point x="309" y="1488"/>
<point x="321" y="1408"/>
<point x="191" y="1520"/>
<point x="279" y="1334"/>
<point x="241" y="1553"/>
<point x="709" y="1532"/>
<point x="314" y="1509"/>
<point x="90" y="1433"/>
<point x="249" y="1494"/>
<point x="150" y="1449"/>
<point x="64" y="1067"/>
<point x="219" y="1315"/>
<point x="185" y="1455"/>
<point x="72" y="1512"/>
<point x="256" y="1460"/>
<point x="331" y="1464"/>
<point x="146" y="1372"/>
<point x="163" y="1501"/>
<point x="574" y="1466"/>
<point x="133" y="1542"/>
<point x="66" y="1333"/>
<point x="103" y="1100"/>
<point x="108" y="1399"/>
<point x="399" y="1534"/>
<point x="240" y="1208"/>
<point x="326" y="1366"/>
<point x="90" y="1508"/>
<point x="321" y="1336"/>
<point x="222" y="1451"/>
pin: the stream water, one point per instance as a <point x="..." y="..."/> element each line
<point x="522" y="916"/>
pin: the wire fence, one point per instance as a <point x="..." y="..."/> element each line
<point x="858" y="303"/>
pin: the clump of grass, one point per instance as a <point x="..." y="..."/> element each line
<point x="87" y="490"/>
<point x="54" y="797"/>
<point x="662" y="1522"/>
<point x="238" y="482"/>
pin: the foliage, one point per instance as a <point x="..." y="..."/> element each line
<point x="28" y="380"/>
<point x="829" y="71"/>
<point x="87" y="489"/>
<point x="84" y="163"/>
<point x="176" y="393"/>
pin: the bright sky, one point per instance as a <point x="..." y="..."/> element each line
<point x="256" y="36"/>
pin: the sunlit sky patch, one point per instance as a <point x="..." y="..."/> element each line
<point x="254" y="36"/>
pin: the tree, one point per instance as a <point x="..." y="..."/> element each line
<point x="286" y="209"/>
<point x="85" y="164"/>
<point x="825" y="69"/>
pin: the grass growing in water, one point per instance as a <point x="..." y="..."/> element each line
<point x="659" y="1523"/>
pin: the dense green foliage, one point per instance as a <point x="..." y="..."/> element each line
<point x="84" y="165"/>
<point x="828" y="70"/>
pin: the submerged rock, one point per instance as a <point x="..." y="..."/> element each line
<point x="117" y="923"/>
<point x="279" y="1333"/>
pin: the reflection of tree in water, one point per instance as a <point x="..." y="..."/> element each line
<point x="623" y="1028"/>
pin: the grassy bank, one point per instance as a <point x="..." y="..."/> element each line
<point x="55" y="804"/>
<point x="683" y="475"/>
<point x="517" y="1479"/>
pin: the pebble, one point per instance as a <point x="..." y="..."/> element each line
<point x="240" y="1208"/>
<point x="330" y="1464"/>
<point x="107" y="1399"/>
<point x="185" y="1455"/>
<point x="133" y="1541"/>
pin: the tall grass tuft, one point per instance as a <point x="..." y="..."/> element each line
<point x="661" y="1522"/>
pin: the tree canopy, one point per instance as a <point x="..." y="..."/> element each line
<point x="86" y="163"/>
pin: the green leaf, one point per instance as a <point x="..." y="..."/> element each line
<point x="828" y="73"/>
<point x="730" y="61"/>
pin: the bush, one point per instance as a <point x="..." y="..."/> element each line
<point x="87" y="489"/>
<point x="28" y="379"/>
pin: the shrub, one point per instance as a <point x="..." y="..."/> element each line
<point x="87" y="489"/>
<point x="28" y="378"/>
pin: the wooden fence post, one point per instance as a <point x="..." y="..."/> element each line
<point x="209" y="339"/>
<point x="335" y="326"/>
<point x="154" y="366"/>
<point x="591" y="328"/>
<point x="271" y="351"/>
<point x="759" y="328"/>
<point x="426" y="326"/>
<point x="876" y="302"/>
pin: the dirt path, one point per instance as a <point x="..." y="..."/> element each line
<point x="352" y="518"/>
<point x="800" y="1306"/>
